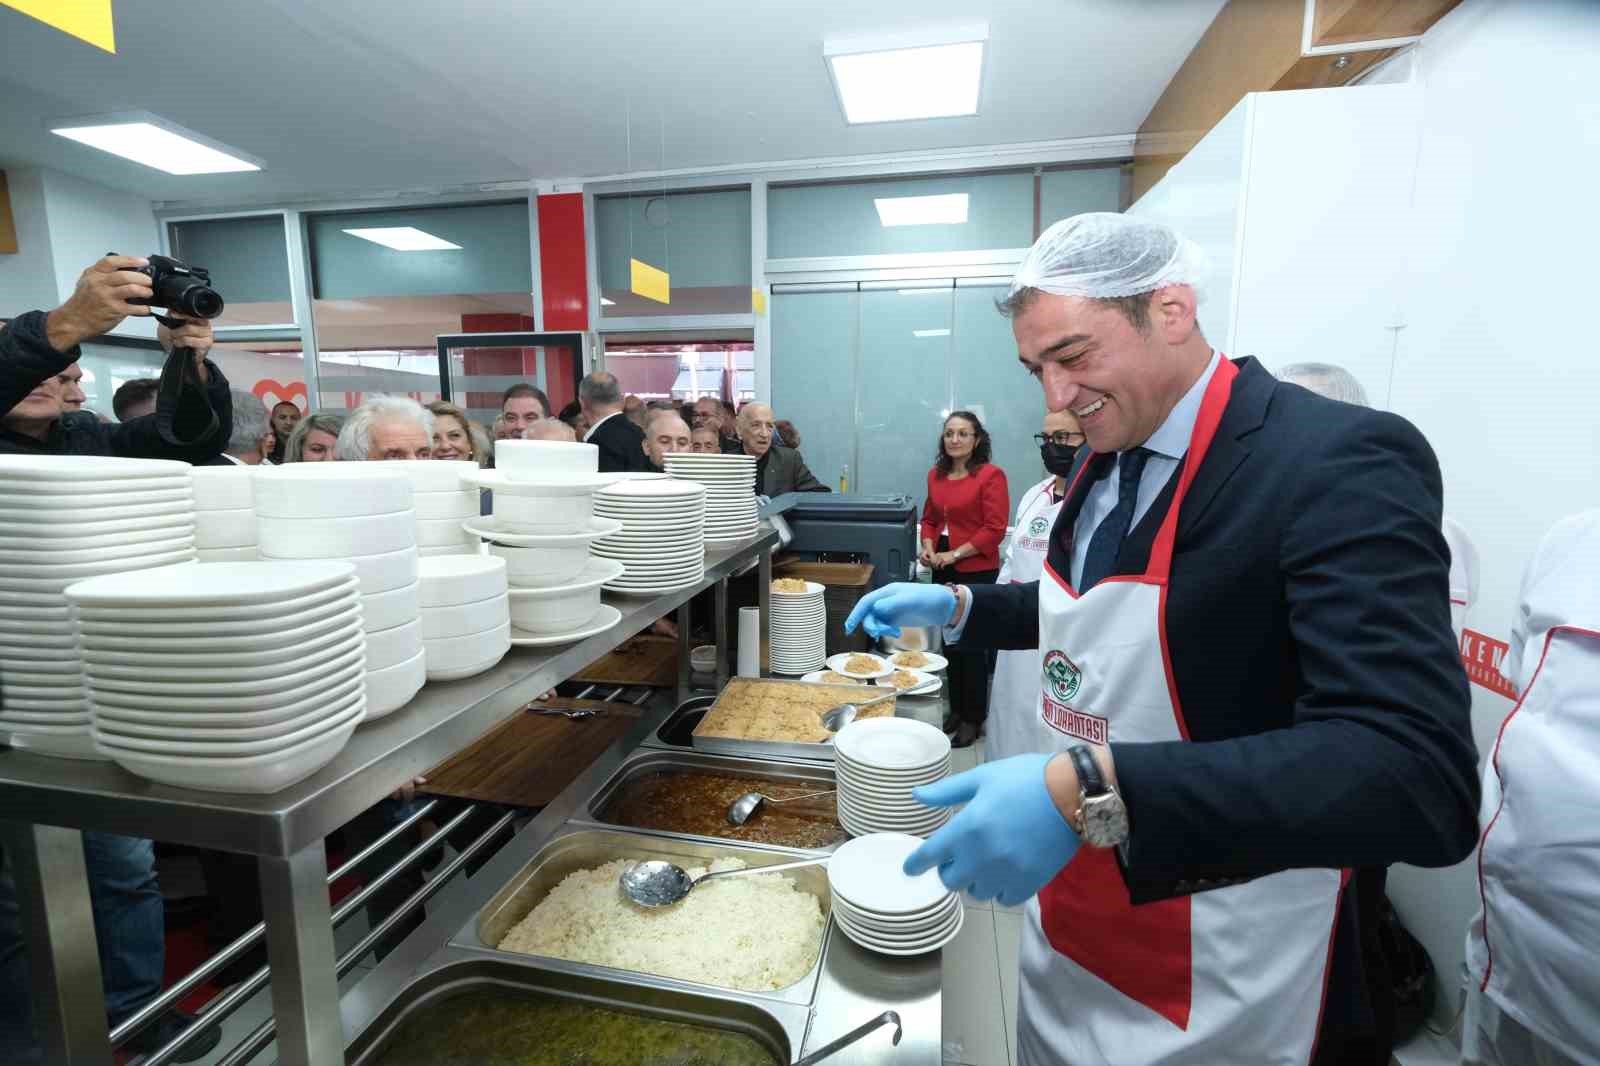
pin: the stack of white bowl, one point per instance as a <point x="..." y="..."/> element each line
<point x="441" y="500"/>
<point x="466" y="615"/>
<point x="879" y="907"/>
<point x="730" y="482"/>
<point x="360" y="513"/>
<point x="62" y="519"/>
<point x="662" y="542"/>
<point x="226" y="677"/>
<point x="224" y="514"/>
<point x="878" y="761"/>
<point x="798" y="630"/>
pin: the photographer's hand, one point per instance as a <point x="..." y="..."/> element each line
<point x="194" y="334"/>
<point x="99" y="302"/>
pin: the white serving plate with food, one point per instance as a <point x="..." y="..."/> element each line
<point x="837" y="663"/>
<point x="930" y="663"/>
<point x="926" y="684"/>
<point x="446" y="580"/>
<point x="331" y="490"/>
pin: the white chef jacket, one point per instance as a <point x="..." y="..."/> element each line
<point x="1012" y="698"/>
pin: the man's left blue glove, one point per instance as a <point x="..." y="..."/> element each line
<point x="884" y="610"/>
<point x="1010" y="839"/>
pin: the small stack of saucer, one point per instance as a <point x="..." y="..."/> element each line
<point x="359" y="513"/>
<point x="63" y="519"/>
<point x="730" y="481"/>
<point x="882" y="909"/>
<point x="224" y="514"/>
<point x="878" y="761"/>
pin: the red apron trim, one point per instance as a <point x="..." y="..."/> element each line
<point x="1166" y="665"/>
<point x="1483" y="895"/>
<point x="1327" y="966"/>
<point x="1218" y="390"/>
<point x="1143" y="952"/>
<point x="1066" y="586"/>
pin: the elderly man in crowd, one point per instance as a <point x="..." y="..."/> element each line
<point x="705" y="439"/>
<point x="778" y="469"/>
<point x="550" y="429"/>
<point x="38" y="353"/>
<point x="135" y="398"/>
<point x="520" y="407"/>
<point x="253" y="439"/>
<point x="621" y="443"/>
<point x="666" y="433"/>
<point x="386" y="427"/>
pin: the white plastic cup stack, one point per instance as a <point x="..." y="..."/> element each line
<point x="466" y="614"/>
<point x="64" y="519"/>
<point x="224" y="514"/>
<point x="441" y="499"/>
<point x="361" y="513"/>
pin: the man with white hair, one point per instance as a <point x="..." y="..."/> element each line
<point x="252" y="439"/>
<point x="386" y="427"/>
<point x="1325" y="379"/>
<point x="778" y="469"/>
<point x="550" y="429"/>
<point x="1247" y="683"/>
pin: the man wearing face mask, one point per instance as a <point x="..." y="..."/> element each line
<point x="1016" y="673"/>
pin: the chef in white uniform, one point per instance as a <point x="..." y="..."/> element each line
<point x="1534" y="995"/>
<point x="1010" y="729"/>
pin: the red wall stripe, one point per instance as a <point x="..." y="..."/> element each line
<point x="563" y="262"/>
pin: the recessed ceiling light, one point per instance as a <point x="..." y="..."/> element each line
<point x="404" y="239"/>
<point x="948" y="209"/>
<point x="930" y="333"/>
<point x="154" y="142"/>
<point x="935" y="74"/>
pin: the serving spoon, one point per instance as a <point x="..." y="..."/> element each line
<point x="836" y="718"/>
<point x="658" y="883"/>
<point x="740" y="810"/>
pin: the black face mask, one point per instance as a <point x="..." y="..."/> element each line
<point x="1058" y="457"/>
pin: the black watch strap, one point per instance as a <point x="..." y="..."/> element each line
<point x="1090" y="779"/>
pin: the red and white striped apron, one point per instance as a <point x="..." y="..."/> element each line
<point x="1231" y="976"/>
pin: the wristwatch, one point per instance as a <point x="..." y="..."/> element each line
<point x="1102" y="820"/>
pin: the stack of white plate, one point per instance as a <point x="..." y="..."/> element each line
<point x="360" y="513"/>
<point x="798" y="630"/>
<point x="224" y="514"/>
<point x="878" y="762"/>
<point x="730" y="482"/>
<point x="226" y="677"/>
<point x="441" y="499"/>
<point x="466" y="616"/>
<point x="62" y="519"/>
<point x="879" y="907"/>
<point x="662" y="543"/>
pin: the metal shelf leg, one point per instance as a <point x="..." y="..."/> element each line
<point x="69" y="1006"/>
<point x="305" y="987"/>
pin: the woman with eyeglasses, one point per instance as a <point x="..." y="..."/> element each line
<point x="963" y="523"/>
<point x="1012" y="721"/>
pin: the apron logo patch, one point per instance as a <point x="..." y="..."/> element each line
<point x="1038" y="525"/>
<point x="1061" y="676"/>
<point x="1089" y="728"/>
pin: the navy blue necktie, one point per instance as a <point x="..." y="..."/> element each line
<point x="1106" y="543"/>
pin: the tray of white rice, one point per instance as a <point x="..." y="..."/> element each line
<point x="761" y="934"/>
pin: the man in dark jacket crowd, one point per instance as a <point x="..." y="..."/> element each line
<point x="37" y="353"/>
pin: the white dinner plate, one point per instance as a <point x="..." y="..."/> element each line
<point x="327" y="667"/>
<point x="228" y="744"/>
<point x="602" y="620"/>
<point x="90" y="561"/>
<point x="251" y="774"/>
<point x="212" y="584"/>
<point x="125" y="489"/>
<point x="655" y="589"/>
<point x="927" y="684"/>
<point x="815" y="678"/>
<point x="212" y="702"/>
<point x="892" y="744"/>
<point x="884" y="947"/>
<point x="837" y="665"/>
<point x="867" y="872"/>
<point x="654" y="489"/>
<point x="118" y="673"/>
<point x="72" y="468"/>
<point x="906" y="927"/>
<point x="184" y="656"/>
<point x="244" y="631"/>
<point x="117" y="568"/>
<point x="814" y="591"/>
<point x="934" y="664"/>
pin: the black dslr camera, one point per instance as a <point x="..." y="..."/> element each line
<point x="181" y="288"/>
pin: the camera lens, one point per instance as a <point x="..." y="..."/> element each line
<point x="201" y="302"/>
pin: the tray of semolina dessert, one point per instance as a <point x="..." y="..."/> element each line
<point x="761" y="716"/>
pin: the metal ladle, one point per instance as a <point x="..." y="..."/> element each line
<point x="888" y="1017"/>
<point x="657" y="883"/>
<point x="740" y="810"/>
<point x="836" y="718"/>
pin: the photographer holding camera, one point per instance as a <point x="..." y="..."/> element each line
<point x="37" y="349"/>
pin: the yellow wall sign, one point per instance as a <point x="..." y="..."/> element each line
<point x="88" y="20"/>
<point x="758" y="301"/>
<point x="650" y="283"/>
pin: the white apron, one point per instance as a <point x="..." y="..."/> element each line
<point x="1231" y="976"/>
<point x="1532" y="945"/>
<point x="1015" y="694"/>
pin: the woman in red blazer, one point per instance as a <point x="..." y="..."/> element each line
<point x="963" y="523"/>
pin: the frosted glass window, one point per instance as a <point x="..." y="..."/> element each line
<point x="701" y="239"/>
<point x="844" y="219"/>
<point x="1064" y="193"/>
<point x="987" y="379"/>
<point x="813" y="377"/>
<point x="249" y="263"/>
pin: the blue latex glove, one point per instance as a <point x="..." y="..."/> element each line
<point x="1008" y="842"/>
<point x="883" y="611"/>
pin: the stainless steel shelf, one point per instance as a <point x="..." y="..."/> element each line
<point x="443" y="719"/>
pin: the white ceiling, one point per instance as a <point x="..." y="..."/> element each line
<point x="344" y="96"/>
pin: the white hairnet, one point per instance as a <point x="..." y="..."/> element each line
<point x="1102" y="255"/>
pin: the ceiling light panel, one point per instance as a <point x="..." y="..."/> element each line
<point x="404" y="239"/>
<point x="158" y="146"/>
<point x="936" y="74"/>
<point x="947" y="209"/>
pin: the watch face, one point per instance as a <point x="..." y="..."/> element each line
<point x="1105" y="820"/>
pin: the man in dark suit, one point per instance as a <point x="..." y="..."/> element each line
<point x="778" y="469"/>
<point x="621" y="443"/>
<point x="1248" y="683"/>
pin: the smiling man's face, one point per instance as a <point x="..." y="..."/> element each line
<point x="1091" y="360"/>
